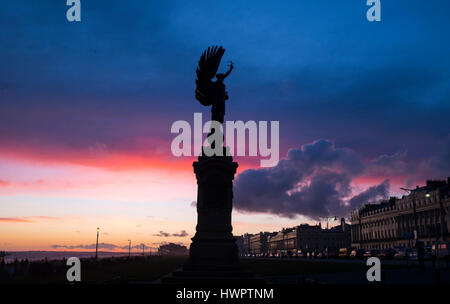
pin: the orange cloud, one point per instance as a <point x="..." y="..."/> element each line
<point x="27" y="219"/>
<point x="14" y="220"/>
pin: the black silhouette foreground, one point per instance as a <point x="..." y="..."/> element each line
<point x="213" y="254"/>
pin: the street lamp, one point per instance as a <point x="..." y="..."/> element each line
<point x="416" y="229"/>
<point x="427" y="195"/>
<point x="327" y="218"/>
<point x="129" y="248"/>
<point x="96" y="245"/>
<point x="328" y="237"/>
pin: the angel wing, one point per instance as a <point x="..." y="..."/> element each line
<point x="207" y="68"/>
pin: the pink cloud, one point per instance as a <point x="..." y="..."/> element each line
<point x="4" y="183"/>
<point x="27" y="219"/>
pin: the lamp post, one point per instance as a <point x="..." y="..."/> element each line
<point x="96" y="245"/>
<point x="327" y="218"/>
<point x="416" y="235"/>
<point x="442" y="217"/>
<point x="328" y="237"/>
<point x="129" y="248"/>
<point x="442" y="226"/>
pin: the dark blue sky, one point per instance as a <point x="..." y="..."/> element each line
<point x="319" y="67"/>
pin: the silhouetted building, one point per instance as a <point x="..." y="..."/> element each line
<point x="246" y="243"/>
<point x="258" y="243"/>
<point x="423" y="214"/>
<point x="240" y="244"/>
<point x="2" y="256"/>
<point x="172" y="249"/>
<point x="309" y="238"/>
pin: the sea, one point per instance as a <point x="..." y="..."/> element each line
<point x="59" y="255"/>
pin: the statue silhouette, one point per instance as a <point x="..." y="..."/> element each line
<point x="209" y="92"/>
<point x="213" y="253"/>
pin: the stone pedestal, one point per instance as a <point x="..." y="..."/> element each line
<point x="213" y="246"/>
<point x="213" y="254"/>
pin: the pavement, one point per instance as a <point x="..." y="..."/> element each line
<point x="428" y="264"/>
<point x="405" y="276"/>
<point x="390" y="277"/>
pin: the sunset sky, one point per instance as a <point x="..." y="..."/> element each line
<point x="86" y="110"/>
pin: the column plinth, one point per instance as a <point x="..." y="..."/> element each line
<point x="213" y="254"/>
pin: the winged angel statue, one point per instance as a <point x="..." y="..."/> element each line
<point x="209" y="92"/>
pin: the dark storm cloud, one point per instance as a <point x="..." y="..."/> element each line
<point x="316" y="180"/>
<point x="107" y="246"/>
<point x="139" y="246"/>
<point x="378" y="192"/>
<point x="182" y="233"/>
<point x="162" y="234"/>
<point x="167" y="243"/>
<point x="313" y="181"/>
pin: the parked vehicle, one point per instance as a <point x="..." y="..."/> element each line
<point x="442" y="249"/>
<point x="334" y="254"/>
<point x="357" y="253"/>
<point x="427" y="253"/>
<point x="413" y="255"/>
<point x="302" y="254"/>
<point x="387" y="253"/>
<point x="344" y="253"/>
<point x="315" y="254"/>
<point x="371" y="253"/>
<point x="403" y="254"/>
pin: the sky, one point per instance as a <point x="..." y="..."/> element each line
<point x="86" y="109"/>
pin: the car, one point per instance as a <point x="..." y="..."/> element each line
<point x="333" y="253"/>
<point x="400" y="254"/>
<point x="442" y="249"/>
<point x="371" y="253"/>
<point x="387" y="253"/>
<point x="344" y="253"/>
<point x="403" y="254"/>
<point x="357" y="253"/>
<point x="301" y="254"/>
<point x="427" y="253"/>
<point x="314" y="254"/>
<point x="413" y="255"/>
